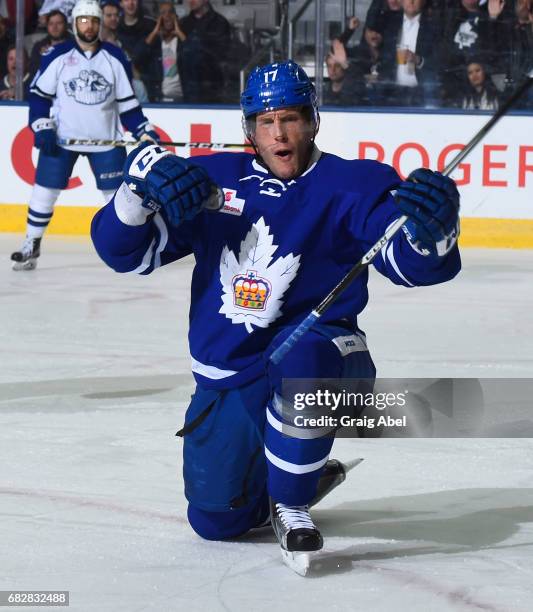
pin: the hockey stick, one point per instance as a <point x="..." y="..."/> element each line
<point x="363" y="264"/>
<point x="132" y="143"/>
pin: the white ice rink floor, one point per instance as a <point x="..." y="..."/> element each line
<point x="94" y="381"/>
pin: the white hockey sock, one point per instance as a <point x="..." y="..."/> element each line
<point x="108" y="194"/>
<point x="40" y="210"/>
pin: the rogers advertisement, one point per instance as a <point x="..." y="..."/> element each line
<point x="495" y="180"/>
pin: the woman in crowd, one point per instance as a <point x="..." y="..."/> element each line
<point x="480" y="92"/>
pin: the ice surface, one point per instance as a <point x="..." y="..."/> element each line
<point x="94" y="381"/>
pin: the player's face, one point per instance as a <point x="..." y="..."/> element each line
<point x="110" y="17"/>
<point x="88" y="28"/>
<point x="284" y="140"/>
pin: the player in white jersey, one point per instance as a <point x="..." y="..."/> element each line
<point x="82" y="91"/>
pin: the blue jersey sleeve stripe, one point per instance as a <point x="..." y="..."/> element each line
<point x="394" y="264"/>
<point x="39" y="92"/>
<point x="126" y="99"/>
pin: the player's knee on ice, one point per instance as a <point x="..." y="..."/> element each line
<point x="229" y="524"/>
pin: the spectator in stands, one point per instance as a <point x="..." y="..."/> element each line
<point x="520" y="36"/>
<point x="165" y="40"/>
<point x="408" y="59"/>
<point x="373" y="41"/>
<point x="480" y="93"/>
<point x="201" y="60"/>
<point x="141" y="93"/>
<point x="7" y="84"/>
<point x="353" y="73"/>
<point x="6" y="40"/>
<point x="110" y="21"/>
<point x="471" y="28"/>
<point x="56" y="26"/>
<point x="522" y="45"/>
<point x="344" y="86"/>
<point x="133" y="28"/>
<point x="523" y="35"/>
<point x="382" y="12"/>
<point x="353" y="25"/>
<point x="109" y="33"/>
<point x="50" y="6"/>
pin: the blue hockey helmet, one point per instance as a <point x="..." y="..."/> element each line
<point x="275" y="86"/>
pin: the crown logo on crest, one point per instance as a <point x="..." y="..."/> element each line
<point x="250" y="290"/>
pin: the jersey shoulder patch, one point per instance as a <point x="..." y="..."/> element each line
<point x="54" y="52"/>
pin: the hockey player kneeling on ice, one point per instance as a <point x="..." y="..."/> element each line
<point x="82" y="90"/>
<point x="293" y="221"/>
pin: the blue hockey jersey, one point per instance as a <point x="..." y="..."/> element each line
<point x="271" y="254"/>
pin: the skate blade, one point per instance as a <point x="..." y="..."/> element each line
<point x="298" y="561"/>
<point x="349" y="465"/>
<point x="27" y="265"/>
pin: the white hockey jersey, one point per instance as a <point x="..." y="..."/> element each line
<point x="88" y="92"/>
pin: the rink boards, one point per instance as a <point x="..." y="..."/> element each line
<point x="495" y="180"/>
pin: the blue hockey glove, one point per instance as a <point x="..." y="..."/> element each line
<point x="431" y="201"/>
<point x="45" y="136"/>
<point x="166" y="181"/>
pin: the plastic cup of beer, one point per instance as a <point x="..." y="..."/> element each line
<point x="401" y="54"/>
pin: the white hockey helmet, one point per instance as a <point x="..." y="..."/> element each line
<point x="86" y="8"/>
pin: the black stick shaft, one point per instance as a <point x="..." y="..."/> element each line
<point x="509" y="103"/>
<point x="367" y="259"/>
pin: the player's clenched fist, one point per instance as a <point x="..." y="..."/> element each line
<point x="165" y="181"/>
<point x="431" y="201"/>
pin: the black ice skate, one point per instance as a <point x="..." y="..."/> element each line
<point x="26" y="258"/>
<point x="333" y="474"/>
<point x="296" y="534"/>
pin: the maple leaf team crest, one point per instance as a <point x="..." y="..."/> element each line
<point x="254" y="284"/>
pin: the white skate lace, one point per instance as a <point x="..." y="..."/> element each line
<point x="27" y="246"/>
<point x="295" y="517"/>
